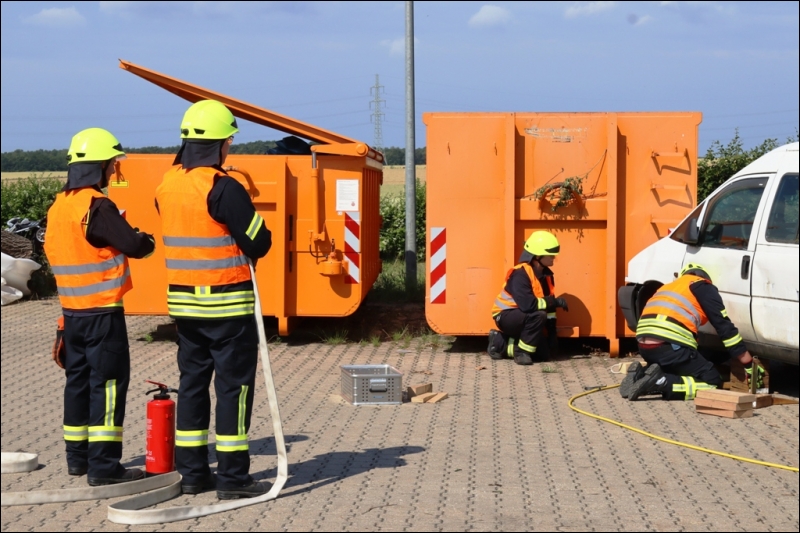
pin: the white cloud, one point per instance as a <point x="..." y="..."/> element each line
<point x="489" y="15"/>
<point x="397" y="47"/>
<point x="581" y="9"/>
<point x="636" y="20"/>
<point x="57" y="17"/>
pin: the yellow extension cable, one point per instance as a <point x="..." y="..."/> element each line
<point x="668" y="441"/>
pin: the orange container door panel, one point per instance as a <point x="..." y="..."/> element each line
<point x="638" y="177"/>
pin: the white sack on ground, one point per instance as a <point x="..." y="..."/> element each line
<point x="16" y="273"/>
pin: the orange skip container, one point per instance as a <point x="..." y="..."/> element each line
<point x="638" y="172"/>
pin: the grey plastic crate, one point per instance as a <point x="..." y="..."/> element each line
<point x="372" y="385"/>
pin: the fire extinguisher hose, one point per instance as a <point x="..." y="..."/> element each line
<point x="154" y="490"/>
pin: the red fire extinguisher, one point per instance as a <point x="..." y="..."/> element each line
<point x="160" y="457"/>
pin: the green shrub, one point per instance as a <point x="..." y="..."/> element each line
<point x="28" y="198"/>
<point x="393" y="231"/>
<point x="722" y="162"/>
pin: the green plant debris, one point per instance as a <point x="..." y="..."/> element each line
<point x="563" y="192"/>
<point x="550" y="369"/>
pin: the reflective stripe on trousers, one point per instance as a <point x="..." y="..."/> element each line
<point x="191" y="438"/>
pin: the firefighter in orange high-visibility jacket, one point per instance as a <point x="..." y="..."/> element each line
<point x="88" y="243"/>
<point x="525" y="309"/>
<point x="210" y="229"/>
<point x="667" y="337"/>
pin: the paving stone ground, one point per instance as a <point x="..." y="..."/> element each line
<point x="502" y="453"/>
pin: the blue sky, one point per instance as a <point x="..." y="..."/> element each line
<point x="737" y="62"/>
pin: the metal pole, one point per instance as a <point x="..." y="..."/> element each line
<point x="411" y="181"/>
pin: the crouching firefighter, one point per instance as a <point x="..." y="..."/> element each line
<point x="667" y="337"/>
<point x="525" y="309"/>
<point x="88" y="243"/>
<point x="210" y="228"/>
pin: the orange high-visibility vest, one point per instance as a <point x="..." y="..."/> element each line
<point x="505" y="301"/>
<point x="673" y="313"/>
<point x="87" y="277"/>
<point x="199" y="251"/>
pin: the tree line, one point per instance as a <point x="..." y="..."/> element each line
<point x="56" y="160"/>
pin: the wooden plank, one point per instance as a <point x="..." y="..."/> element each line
<point x="728" y="406"/>
<point x="438" y="397"/>
<point x="724" y="412"/>
<point x="416" y="390"/>
<point x="726" y="396"/>
<point x="422" y="398"/>
<point x="763" y="400"/>
<point x="782" y="399"/>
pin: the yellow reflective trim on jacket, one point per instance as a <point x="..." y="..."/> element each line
<point x="76" y="433"/>
<point x="255" y="225"/>
<point x="210" y="312"/>
<point x="232" y="443"/>
<point x="661" y="327"/>
<point x="724" y="313"/>
<point x="736" y="339"/>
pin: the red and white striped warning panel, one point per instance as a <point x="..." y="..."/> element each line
<point x="438" y="265"/>
<point x="352" y="246"/>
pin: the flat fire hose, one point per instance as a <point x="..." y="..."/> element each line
<point x="154" y="490"/>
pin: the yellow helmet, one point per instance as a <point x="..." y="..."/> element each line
<point x="93" y="145"/>
<point x="542" y="243"/>
<point x="208" y="119"/>
<point x="695" y="270"/>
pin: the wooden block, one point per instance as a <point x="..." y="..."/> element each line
<point x="438" y="397"/>
<point x="763" y="400"/>
<point x="726" y="396"/>
<point x="422" y="398"/>
<point x="416" y="390"/>
<point x="727" y="406"/>
<point x="724" y="412"/>
<point x="782" y="399"/>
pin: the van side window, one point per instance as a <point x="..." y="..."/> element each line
<point x="678" y="233"/>
<point x="729" y="219"/>
<point x="783" y="218"/>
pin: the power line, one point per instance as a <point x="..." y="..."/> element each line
<point x="377" y="112"/>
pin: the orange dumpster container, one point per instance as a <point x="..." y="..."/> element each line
<point x="639" y="178"/>
<point x="322" y="209"/>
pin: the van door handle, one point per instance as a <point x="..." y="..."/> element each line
<point x="745" y="267"/>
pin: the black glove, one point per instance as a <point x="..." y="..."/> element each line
<point x="562" y="303"/>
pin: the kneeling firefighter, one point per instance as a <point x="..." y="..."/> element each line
<point x="667" y="337"/>
<point x="210" y="229"/>
<point x="88" y="243"/>
<point x="526" y="307"/>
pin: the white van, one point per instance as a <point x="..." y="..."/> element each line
<point x="746" y="235"/>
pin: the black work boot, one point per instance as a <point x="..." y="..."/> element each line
<point x="523" y="359"/>
<point x="77" y="470"/>
<point x="635" y="373"/>
<point x="495" y="341"/>
<point x="654" y="381"/>
<point x="203" y="485"/>
<point x="131" y="474"/>
<point x="256" y="488"/>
